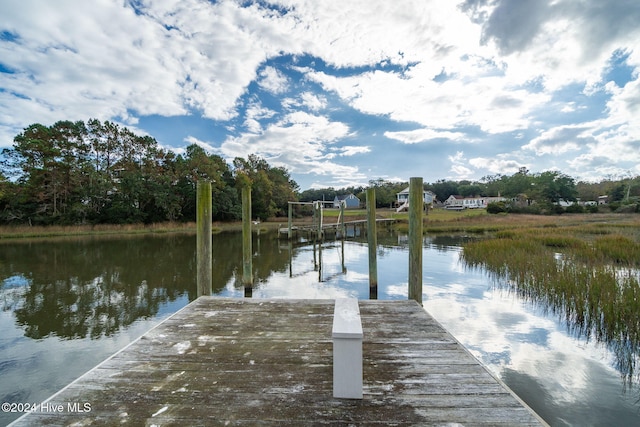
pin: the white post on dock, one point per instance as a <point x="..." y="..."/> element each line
<point x="347" y="349"/>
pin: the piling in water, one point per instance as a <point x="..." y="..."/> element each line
<point x="342" y="229"/>
<point x="203" y="239"/>
<point x="415" y="239"/>
<point x="247" y="266"/>
<point x="290" y="222"/>
<point x="372" y="243"/>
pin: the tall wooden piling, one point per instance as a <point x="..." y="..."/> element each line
<point x="342" y="229"/>
<point x="290" y="222"/>
<point x="416" y="202"/>
<point x="203" y="239"/>
<point x="319" y="233"/>
<point x="247" y="251"/>
<point x="372" y="243"/>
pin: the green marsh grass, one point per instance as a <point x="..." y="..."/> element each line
<point x="586" y="273"/>
<point x="24" y="231"/>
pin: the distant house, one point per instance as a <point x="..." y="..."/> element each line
<point x="454" y="201"/>
<point x="457" y="202"/>
<point x="603" y="200"/>
<point x="350" y="201"/>
<point x="403" y="198"/>
<point x="565" y="203"/>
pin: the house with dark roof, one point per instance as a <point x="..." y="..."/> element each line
<point x="350" y="201"/>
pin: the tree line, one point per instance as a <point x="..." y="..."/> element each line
<point x="527" y="192"/>
<point x="99" y="172"/>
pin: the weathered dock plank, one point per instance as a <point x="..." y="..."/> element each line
<point x="269" y="362"/>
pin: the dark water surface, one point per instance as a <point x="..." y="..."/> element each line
<point x="67" y="304"/>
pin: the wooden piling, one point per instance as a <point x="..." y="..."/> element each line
<point x="372" y="243"/>
<point x="415" y="239"/>
<point x="290" y="222"/>
<point x="318" y="207"/>
<point x="247" y="251"/>
<point x="203" y="239"/>
<point x="342" y="229"/>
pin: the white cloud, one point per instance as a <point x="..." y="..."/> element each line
<point x="306" y="100"/>
<point x="458" y="167"/>
<point x="254" y="114"/>
<point x="460" y="71"/>
<point x="421" y="135"/>
<point x="561" y="139"/>
<point x="208" y="147"/>
<point x="496" y="165"/>
<point x="273" y="81"/>
<point x="482" y="101"/>
<point x="313" y="101"/>
<point x="75" y="60"/>
<point x="351" y="150"/>
<point x="302" y="143"/>
<point x="560" y="42"/>
<point x="366" y="33"/>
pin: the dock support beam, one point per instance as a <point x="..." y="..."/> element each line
<point x="203" y="239"/>
<point x="416" y="203"/>
<point x="247" y="251"/>
<point x="372" y="243"/>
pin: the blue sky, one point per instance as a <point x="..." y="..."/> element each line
<point x="341" y="92"/>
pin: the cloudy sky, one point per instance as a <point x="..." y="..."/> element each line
<point x="341" y="91"/>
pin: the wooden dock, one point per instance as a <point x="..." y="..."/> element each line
<point x="269" y="362"/>
<point x="350" y="227"/>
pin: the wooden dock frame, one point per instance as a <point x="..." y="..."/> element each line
<point x="269" y="362"/>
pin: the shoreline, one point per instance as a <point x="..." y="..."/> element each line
<point x="436" y="221"/>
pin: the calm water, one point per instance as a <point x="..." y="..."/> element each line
<point x="69" y="304"/>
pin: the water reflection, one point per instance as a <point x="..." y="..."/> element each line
<point x="596" y="301"/>
<point x="65" y="288"/>
<point x="566" y="380"/>
<point x="81" y="300"/>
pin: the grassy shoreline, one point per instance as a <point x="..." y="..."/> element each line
<point x="437" y="221"/>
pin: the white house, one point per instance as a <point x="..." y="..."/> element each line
<point x="403" y="198"/>
<point x="454" y="202"/>
<point x="458" y="202"/>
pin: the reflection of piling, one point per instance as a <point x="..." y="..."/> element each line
<point x="372" y="243"/>
<point x="203" y="238"/>
<point x="247" y="268"/>
<point x="415" y="239"/>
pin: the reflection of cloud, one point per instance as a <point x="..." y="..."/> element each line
<point x="505" y="335"/>
<point x="353" y="276"/>
<point x="397" y="290"/>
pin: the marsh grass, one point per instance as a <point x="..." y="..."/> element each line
<point x="586" y="273"/>
<point x="23" y="231"/>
